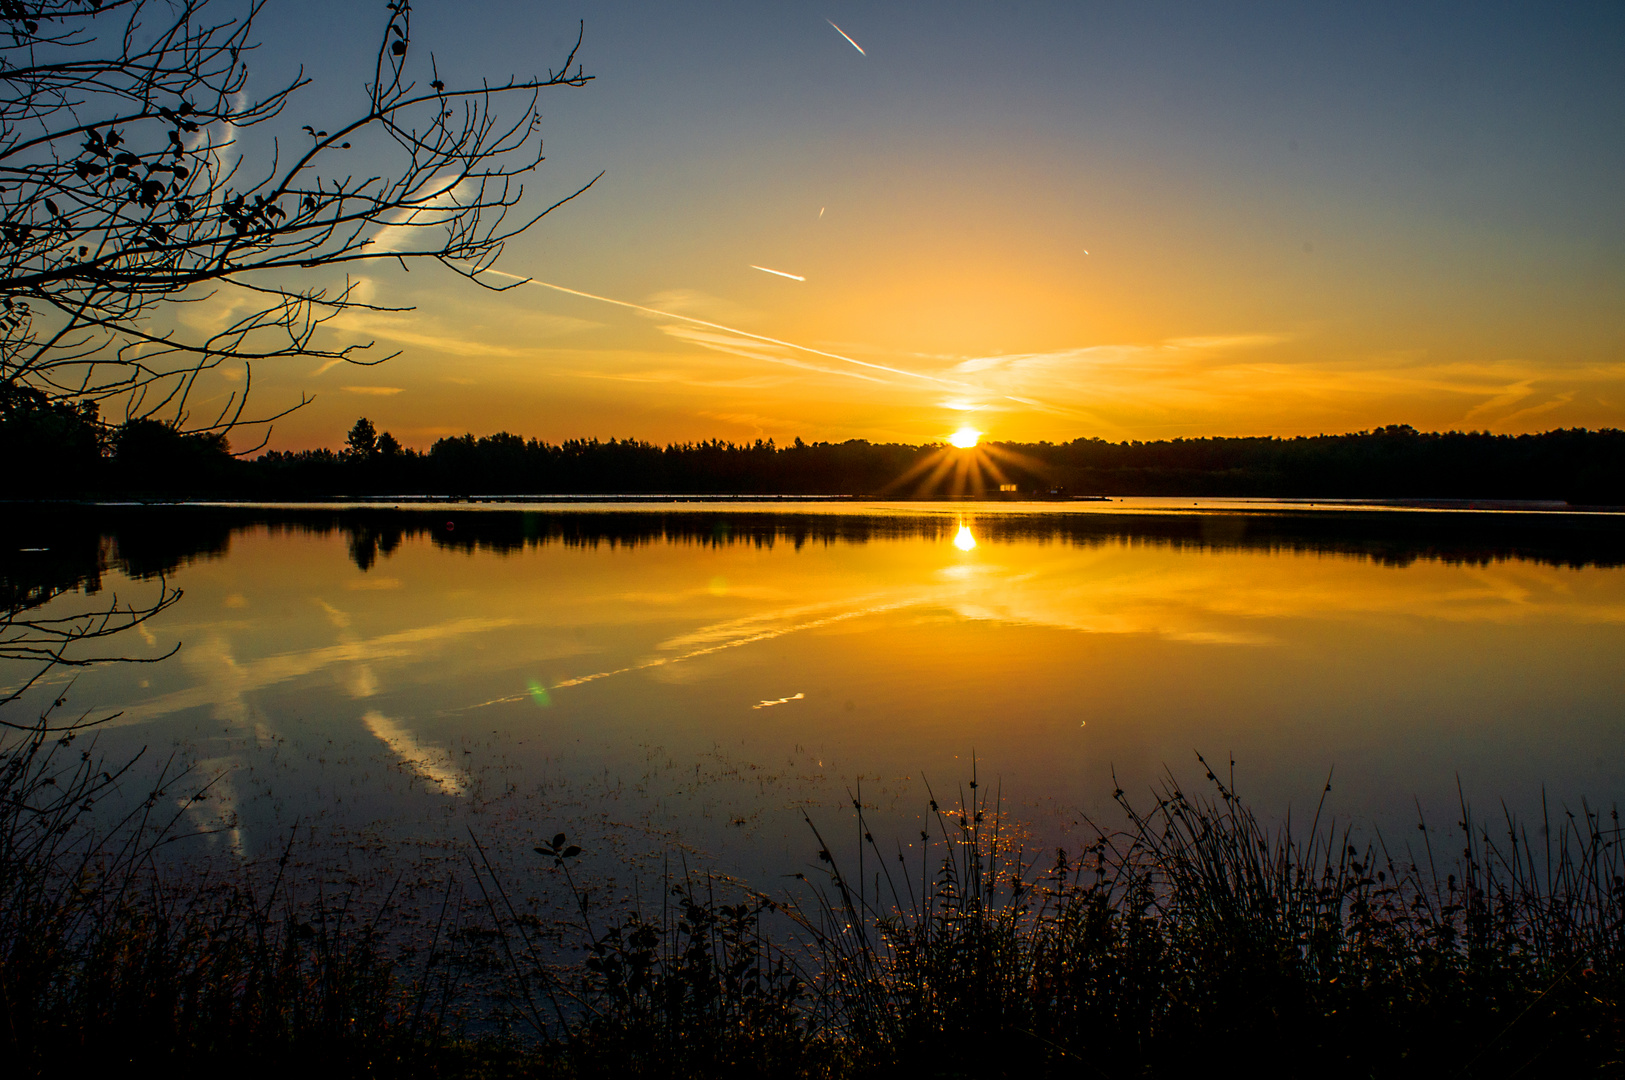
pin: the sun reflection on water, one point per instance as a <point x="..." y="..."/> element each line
<point x="963" y="540"/>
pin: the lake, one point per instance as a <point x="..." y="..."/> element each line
<point x="692" y="677"/>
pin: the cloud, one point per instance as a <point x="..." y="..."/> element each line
<point x="407" y="229"/>
<point x="1544" y="407"/>
<point x="375" y="391"/>
<point x="408" y="331"/>
<point x="694" y="302"/>
<point x="411" y="328"/>
<point x="673" y="376"/>
<point x="759" y="350"/>
<point x="1194" y="380"/>
<point x="755" y="421"/>
<point x="1229" y="341"/>
<point x="1510" y="395"/>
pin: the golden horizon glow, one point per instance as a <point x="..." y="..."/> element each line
<point x="1245" y="285"/>
<point x="965" y="438"/>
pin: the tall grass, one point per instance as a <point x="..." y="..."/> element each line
<point x="1190" y="938"/>
<point x="692" y="986"/>
<point x="104" y="959"/>
<point x="1195" y="935"/>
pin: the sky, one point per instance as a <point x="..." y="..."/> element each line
<point x="1041" y="221"/>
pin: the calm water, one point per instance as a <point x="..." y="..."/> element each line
<point x="698" y="675"/>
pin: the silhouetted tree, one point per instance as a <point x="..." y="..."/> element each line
<point x="362" y="442"/>
<point x="123" y="189"/>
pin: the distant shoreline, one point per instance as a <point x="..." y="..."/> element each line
<point x="1121" y="504"/>
<point x="1395" y="465"/>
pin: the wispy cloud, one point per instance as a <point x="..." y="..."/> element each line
<point x="407" y="229"/>
<point x="757" y="350"/>
<point x="1228" y="341"/>
<point x="703" y="304"/>
<point x="682" y="377"/>
<point x="760" y="339"/>
<point x="1125" y="386"/>
<point x="375" y="391"/>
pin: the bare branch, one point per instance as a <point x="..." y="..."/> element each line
<point x="122" y="191"/>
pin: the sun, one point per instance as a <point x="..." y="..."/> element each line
<point x="967" y="467"/>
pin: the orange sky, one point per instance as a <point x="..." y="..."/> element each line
<point x="1129" y="227"/>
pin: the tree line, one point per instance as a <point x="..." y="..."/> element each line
<point x="72" y="454"/>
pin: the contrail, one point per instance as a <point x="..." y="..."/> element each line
<point x="781" y="273"/>
<point x="848" y="38"/>
<point x="955" y="383"/>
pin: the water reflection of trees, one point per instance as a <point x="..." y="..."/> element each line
<point x="56" y="552"/>
<point x="146" y="543"/>
<point x="1388" y="538"/>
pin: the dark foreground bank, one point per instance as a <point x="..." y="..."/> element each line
<point x="1187" y="938"/>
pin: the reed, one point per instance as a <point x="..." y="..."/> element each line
<point x="104" y="960"/>
<point x="1194" y="929"/>
<point x="1189" y="935"/>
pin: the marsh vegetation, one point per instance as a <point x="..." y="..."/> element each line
<point x="1189" y="929"/>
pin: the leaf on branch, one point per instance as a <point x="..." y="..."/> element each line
<point x="398" y="48"/>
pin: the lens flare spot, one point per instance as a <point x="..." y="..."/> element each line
<point x="539" y="694"/>
<point x="718" y="586"/>
<point x="965" y="438"/>
<point x="963" y="540"/>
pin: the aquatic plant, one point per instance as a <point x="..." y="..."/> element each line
<point x="1193" y="930"/>
<point x="1195" y="927"/>
<point x="105" y="958"/>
